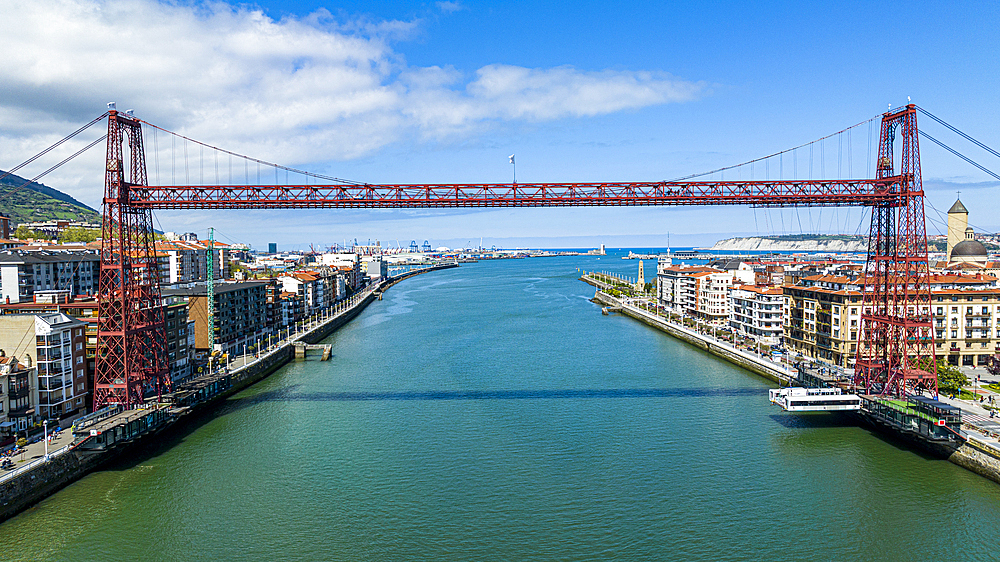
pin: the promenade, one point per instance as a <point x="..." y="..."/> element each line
<point x="644" y="309"/>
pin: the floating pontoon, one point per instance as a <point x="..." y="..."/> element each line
<point x="798" y="399"/>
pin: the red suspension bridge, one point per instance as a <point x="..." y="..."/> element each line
<point x="895" y="343"/>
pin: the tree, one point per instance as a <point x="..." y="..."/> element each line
<point x="77" y="234"/>
<point x="950" y="378"/>
<point x="25" y="233"/>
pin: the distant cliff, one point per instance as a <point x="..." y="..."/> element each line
<point x="800" y="243"/>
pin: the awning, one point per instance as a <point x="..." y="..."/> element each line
<point x="6" y="424"/>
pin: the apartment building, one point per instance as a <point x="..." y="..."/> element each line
<point x="319" y="288"/>
<point x="823" y="318"/>
<point x="15" y="397"/>
<point x="697" y="292"/>
<point x="240" y="312"/>
<point x="348" y="265"/>
<point x="53" y="343"/>
<point x="758" y="313"/>
<point x="375" y="268"/>
<point x="180" y="340"/>
<point x="675" y="286"/>
<point x="24" y="272"/>
<point x="186" y="261"/>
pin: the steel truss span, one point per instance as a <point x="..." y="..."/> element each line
<point x="785" y="193"/>
<point x="895" y="345"/>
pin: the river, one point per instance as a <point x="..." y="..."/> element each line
<point x="491" y="412"/>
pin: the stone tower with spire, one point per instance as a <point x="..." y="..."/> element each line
<point x="958" y="222"/>
<point x="640" y="283"/>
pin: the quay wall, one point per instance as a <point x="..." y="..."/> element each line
<point x="25" y="490"/>
<point x="979" y="457"/>
<point x="738" y="357"/>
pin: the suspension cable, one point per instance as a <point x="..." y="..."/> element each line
<point x="967" y="137"/>
<point x="251" y="159"/>
<point x="49" y="149"/>
<point x="67" y="159"/>
<point x="957" y="153"/>
<point x="776" y="153"/>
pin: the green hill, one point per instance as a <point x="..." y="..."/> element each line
<point x="37" y="202"/>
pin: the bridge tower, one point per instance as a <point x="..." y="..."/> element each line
<point x="131" y="354"/>
<point x="895" y="352"/>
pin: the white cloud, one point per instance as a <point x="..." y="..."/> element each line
<point x="449" y="7"/>
<point x="294" y="90"/>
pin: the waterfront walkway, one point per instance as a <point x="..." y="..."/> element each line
<point x="643" y="308"/>
<point x="34" y="453"/>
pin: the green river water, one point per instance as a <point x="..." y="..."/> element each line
<point x="491" y="412"/>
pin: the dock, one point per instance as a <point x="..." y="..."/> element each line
<point x="302" y="347"/>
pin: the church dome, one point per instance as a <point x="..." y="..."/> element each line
<point x="970" y="249"/>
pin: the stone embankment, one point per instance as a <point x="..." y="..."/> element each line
<point x="980" y="454"/>
<point x="26" y="486"/>
<point x="763" y="366"/>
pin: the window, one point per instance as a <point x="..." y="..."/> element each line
<point x="954" y="333"/>
<point x="940" y="310"/>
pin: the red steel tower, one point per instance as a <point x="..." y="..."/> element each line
<point x="131" y="339"/>
<point x="895" y="344"/>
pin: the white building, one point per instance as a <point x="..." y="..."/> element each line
<point x="375" y="267"/>
<point x="758" y="312"/>
<point x="186" y="261"/>
<point x="54" y="343"/>
<point x="348" y="264"/>
<point x="25" y="272"/>
<point x="698" y="292"/>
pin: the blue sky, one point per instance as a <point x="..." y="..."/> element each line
<point x="436" y="92"/>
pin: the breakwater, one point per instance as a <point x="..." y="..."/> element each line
<point x="109" y="435"/>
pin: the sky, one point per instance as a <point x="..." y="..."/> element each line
<point x="427" y="92"/>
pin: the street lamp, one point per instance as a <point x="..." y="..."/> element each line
<point x="45" y="437"/>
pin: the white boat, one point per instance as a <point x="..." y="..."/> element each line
<point x="798" y="399"/>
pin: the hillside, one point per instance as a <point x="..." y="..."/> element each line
<point x="38" y="202"/>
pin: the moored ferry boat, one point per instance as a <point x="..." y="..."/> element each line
<point x="798" y="399"/>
